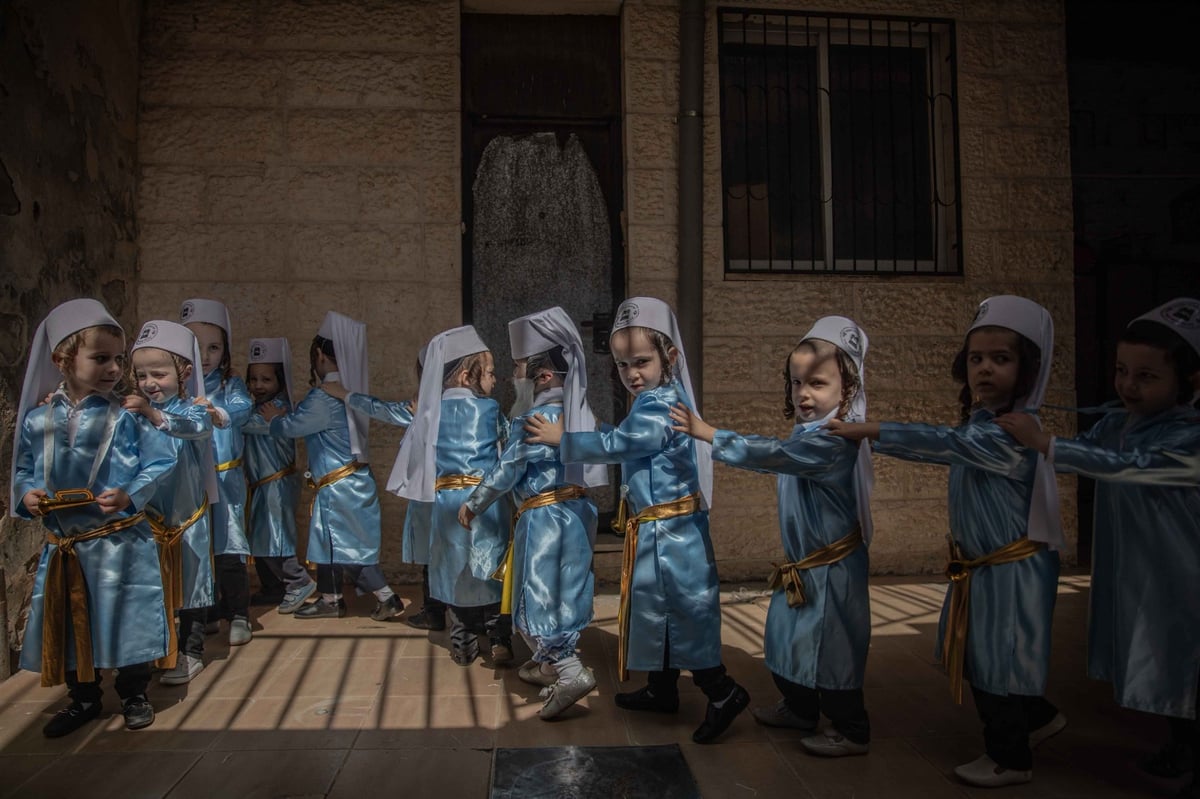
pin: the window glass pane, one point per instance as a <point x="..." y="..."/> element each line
<point x="882" y="199"/>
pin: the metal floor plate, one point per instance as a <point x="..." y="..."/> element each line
<point x="593" y="772"/>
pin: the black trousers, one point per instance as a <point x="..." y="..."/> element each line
<point x="271" y="583"/>
<point x="429" y="603"/>
<point x="713" y="682"/>
<point x="131" y="680"/>
<point x="191" y="631"/>
<point x="1185" y="733"/>
<point x="331" y="576"/>
<point x="845" y="709"/>
<point x="233" y="588"/>
<point x="285" y="570"/>
<point x="468" y="623"/>
<point x="1007" y="722"/>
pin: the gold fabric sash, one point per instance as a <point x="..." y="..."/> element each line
<point x="958" y="571"/>
<point x="170" y="567"/>
<point x="787" y="575"/>
<point x="64" y="575"/>
<point x="330" y="478"/>
<point x="655" y="513"/>
<point x="542" y="500"/>
<point x="227" y="465"/>
<point x="453" y="481"/>
<point x="290" y="469"/>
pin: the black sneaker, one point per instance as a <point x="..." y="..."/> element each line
<point x="389" y="609"/>
<point x="70" y="718"/>
<point x="718" y="719"/>
<point x="645" y="699"/>
<point x="322" y="609"/>
<point x="138" y="712"/>
<point x="427" y="620"/>
<point x="1171" y="762"/>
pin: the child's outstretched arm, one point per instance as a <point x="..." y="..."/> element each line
<point x="646" y="431"/>
<point x="136" y="403"/>
<point x="981" y="446"/>
<point x="502" y="477"/>
<point x="399" y="414"/>
<point x="309" y="417"/>
<point x="855" y="431"/>
<point x="685" y="421"/>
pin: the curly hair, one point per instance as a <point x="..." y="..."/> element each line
<point x="1029" y="363"/>
<point x="851" y="382"/>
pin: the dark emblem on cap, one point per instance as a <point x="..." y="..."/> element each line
<point x="149" y="331"/>
<point x="625" y="315"/>
<point x="1182" y="314"/>
<point x="852" y="341"/>
<point x="185" y="313"/>
<point x="257" y="351"/>
<point x="982" y="312"/>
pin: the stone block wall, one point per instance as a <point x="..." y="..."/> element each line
<point x="302" y="157"/>
<point x="68" y="150"/>
<point x="1017" y="238"/>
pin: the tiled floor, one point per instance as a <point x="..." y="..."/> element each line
<point x="355" y="708"/>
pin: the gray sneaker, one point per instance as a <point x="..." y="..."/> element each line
<point x="562" y="695"/>
<point x="294" y="600"/>
<point x="780" y="715"/>
<point x="186" y="668"/>
<point x="532" y="673"/>
<point x="239" y="631"/>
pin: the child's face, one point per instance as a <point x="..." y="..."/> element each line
<point x="262" y="381"/>
<point x="154" y="371"/>
<point x="816" y="384"/>
<point x="637" y="360"/>
<point x="212" y="344"/>
<point x="993" y="365"/>
<point x="1145" y="380"/>
<point x="96" y="367"/>
<point x="487" y="381"/>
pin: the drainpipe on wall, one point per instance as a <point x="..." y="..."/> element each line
<point x="690" y="297"/>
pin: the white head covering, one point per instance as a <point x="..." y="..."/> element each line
<point x="546" y="330"/>
<point x="416" y="463"/>
<point x="275" y="350"/>
<point x="1034" y="323"/>
<point x="349" y="339"/>
<point x="210" y="312"/>
<point x="655" y="314"/>
<point x="848" y="337"/>
<point x="160" y="334"/>
<point x="1181" y="316"/>
<point x="41" y="375"/>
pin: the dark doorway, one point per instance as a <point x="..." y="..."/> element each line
<point x="542" y="184"/>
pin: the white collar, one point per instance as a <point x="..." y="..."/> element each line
<point x="458" y="393"/>
<point x="549" y="395"/>
<point x="332" y="377"/>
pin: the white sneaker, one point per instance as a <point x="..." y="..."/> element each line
<point x="987" y="773"/>
<point x="563" y="695"/>
<point x="186" y="668"/>
<point x="239" y="632"/>
<point x="1048" y="730"/>
<point x="532" y="673"/>
<point x="832" y="743"/>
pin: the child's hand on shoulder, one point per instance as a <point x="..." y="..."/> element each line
<point x="270" y="410"/>
<point x="335" y="389"/>
<point x="465" y="516"/>
<point x="542" y="431"/>
<point x="113" y="500"/>
<point x="30" y="501"/>
<point x="219" y="419"/>
<point x="136" y="403"/>
<point x="688" y="422"/>
<point x="855" y="431"/>
<point x="1026" y="430"/>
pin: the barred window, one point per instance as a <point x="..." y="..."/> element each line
<point x="839" y="147"/>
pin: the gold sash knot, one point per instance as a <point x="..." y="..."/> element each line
<point x="170" y="567"/>
<point x="65" y="592"/>
<point x="684" y="506"/>
<point x="787" y="575"/>
<point x="958" y="572"/>
<point x="450" y="482"/>
<point x="227" y="465"/>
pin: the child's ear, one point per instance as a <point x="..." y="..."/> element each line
<point x="60" y="361"/>
<point x="672" y="355"/>
<point x="186" y="372"/>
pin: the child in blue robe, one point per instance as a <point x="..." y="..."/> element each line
<point x="549" y="582"/>
<point x="454" y="440"/>
<point x="87" y="469"/>
<point x="1144" y="606"/>
<point x="274" y="483"/>
<point x="165" y="361"/>
<point x="995" y="628"/>
<point x="230" y="406"/>
<point x="670" y="615"/>
<point x="818" y="626"/>
<point x="344" y="525"/>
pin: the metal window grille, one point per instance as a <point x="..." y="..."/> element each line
<point x="839" y="144"/>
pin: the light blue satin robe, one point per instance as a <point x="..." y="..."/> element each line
<point x="1011" y="604"/>
<point x="461" y="562"/>
<point x="189" y="428"/>
<point x="675" y="594"/>
<point x="552" y="577"/>
<point x="272" y="516"/>
<point x="344" y="526"/>
<point x="823" y="643"/>
<point x="229" y="522"/>
<point x="1144" y="622"/>
<point x="124" y="586"/>
<point x="418" y="515"/>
